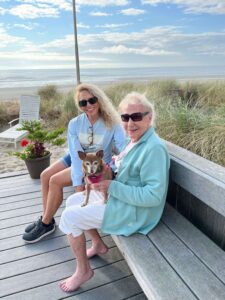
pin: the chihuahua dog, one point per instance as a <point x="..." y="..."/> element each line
<point x="94" y="170"/>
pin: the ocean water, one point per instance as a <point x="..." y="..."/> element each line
<point x="67" y="77"/>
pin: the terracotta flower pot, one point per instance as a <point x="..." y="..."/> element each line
<point x="37" y="165"/>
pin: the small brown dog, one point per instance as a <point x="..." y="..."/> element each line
<point x="94" y="170"/>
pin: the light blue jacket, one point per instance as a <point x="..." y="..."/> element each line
<point x="137" y="195"/>
<point x="79" y="132"/>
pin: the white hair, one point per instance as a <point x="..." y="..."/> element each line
<point x="137" y="98"/>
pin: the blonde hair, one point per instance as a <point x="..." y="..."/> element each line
<point x="106" y="109"/>
<point x="137" y="98"/>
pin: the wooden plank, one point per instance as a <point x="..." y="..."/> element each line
<point x="204" y="248"/>
<point x="31" y="201"/>
<point x="29" y="188"/>
<point x="119" y="290"/>
<point x="31" y="250"/>
<point x="46" y="259"/>
<point x="17" y="230"/>
<point x="17" y="241"/>
<point x="56" y="240"/>
<point x="26" y="219"/>
<point x="16" y="198"/>
<point x="19" y="197"/>
<point x="9" y="214"/>
<point x="12" y="174"/>
<point x="51" y="291"/>
<point x="58" y="272"/>
<point x="193" y="272"/>
<point x="7" y="182"/>
<point x="206" y="188"/>
<point x="156" y="277"/>
<point x="138" y="297"/>
<point x="206" y="166"/>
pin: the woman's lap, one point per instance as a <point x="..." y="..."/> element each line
<point x="76" y="218"/>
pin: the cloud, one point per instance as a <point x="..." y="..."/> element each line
<point x="103" y="2"/>
<point x="120" y="49"/>
<point x="193" y="6"/>
<point x="132" y="12"/>
<point x="111" y="26"/>
<point x="99" y="14"/>
<point x="27" y="11"/>
<point x="7" y="39"/>
<point x="23" y="26"/>
<point x="60" y="4"/>
<point x="81" y="25"/>
<point x="31" y="9"/>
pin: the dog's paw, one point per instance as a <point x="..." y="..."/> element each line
<point x="83" y="204"/>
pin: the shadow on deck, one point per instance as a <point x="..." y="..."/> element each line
<point x="33" y="271"/>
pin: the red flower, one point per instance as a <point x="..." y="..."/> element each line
<point x="24" y="143"/>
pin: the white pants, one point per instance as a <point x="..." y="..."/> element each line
<point x="76" y="219"/>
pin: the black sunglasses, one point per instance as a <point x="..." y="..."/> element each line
<point x="83" y="103"/>
<point x="135" y="117"/>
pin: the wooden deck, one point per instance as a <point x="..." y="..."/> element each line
<point x="32" y="271"/>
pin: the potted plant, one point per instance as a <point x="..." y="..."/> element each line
<point x="35" y="154"/>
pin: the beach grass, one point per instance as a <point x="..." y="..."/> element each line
<point x="189" y="114"/>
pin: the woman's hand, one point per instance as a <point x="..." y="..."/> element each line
<point x="101" y="186"/>
<point x="79" y="188"/>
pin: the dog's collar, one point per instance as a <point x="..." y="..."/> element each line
<point x="95" y="178"/>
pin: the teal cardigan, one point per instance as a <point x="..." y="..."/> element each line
<point x="137" y="196"/>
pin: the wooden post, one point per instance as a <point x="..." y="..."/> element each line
<point x="76" y="43"/>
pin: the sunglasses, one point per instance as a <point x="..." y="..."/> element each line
<point x="135" y="117"/>
<point x="83" y="103"/>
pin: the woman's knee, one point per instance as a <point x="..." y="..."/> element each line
<point x="71" y="215"/>
<point x="46" y="175"/>
<point x="56" y="179"/>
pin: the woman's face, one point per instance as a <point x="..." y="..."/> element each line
<point x="135" y="130"/>
<point x="92" y="110"/>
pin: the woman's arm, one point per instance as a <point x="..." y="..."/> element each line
<point x="74" y="146"/>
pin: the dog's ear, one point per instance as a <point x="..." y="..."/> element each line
<point x="100" y="153"/>
<point x="82" y="155"/>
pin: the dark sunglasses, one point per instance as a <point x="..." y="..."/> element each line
<point x="135" y="117"/>
<point x="83" y="103"/>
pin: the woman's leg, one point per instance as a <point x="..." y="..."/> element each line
<point x="83" y="270"/>
<point x="98" y="246"/>
<point x="55" y="192"/>
<point x="53" y="169"/>
<point x="74" y="221"/>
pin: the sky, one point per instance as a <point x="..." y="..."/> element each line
<point x="112" y="33"/>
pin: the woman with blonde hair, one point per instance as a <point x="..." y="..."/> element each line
<point x="96" y="128"/>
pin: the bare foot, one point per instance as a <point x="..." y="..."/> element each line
<point x="75" y="281"/>
<point x="96" y="250"/>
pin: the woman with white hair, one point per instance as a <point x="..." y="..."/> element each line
<point x="96" y="128"/>
<point x="136" y="197"/>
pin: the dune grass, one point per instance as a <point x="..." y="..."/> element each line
<point x="189" y="114"/>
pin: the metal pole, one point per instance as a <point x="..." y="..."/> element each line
<point x="76" y="42"/>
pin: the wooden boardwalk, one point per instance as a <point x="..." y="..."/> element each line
<point x="32" y="271"/>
